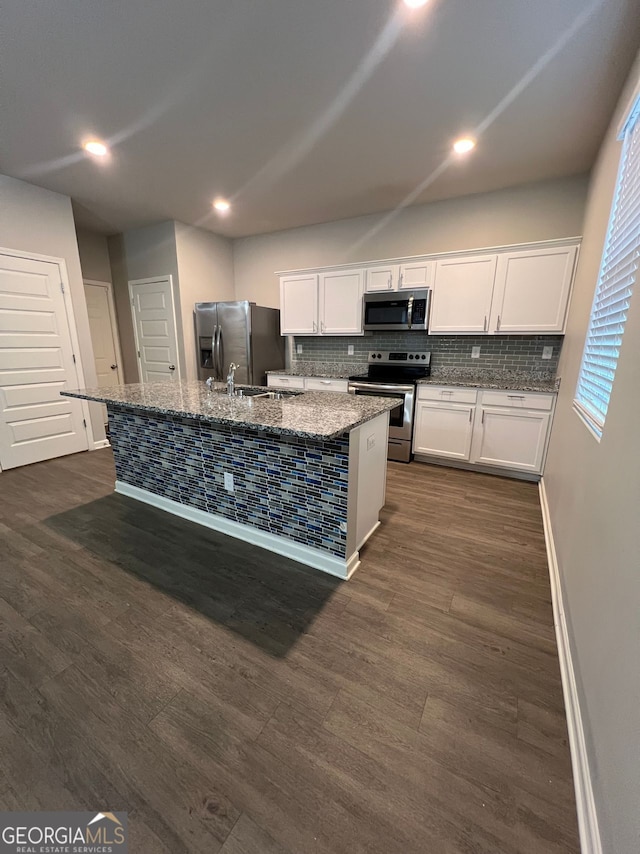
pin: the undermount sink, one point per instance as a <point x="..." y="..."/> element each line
<point x="279" y="395"/>
<point x="259" y="392"/>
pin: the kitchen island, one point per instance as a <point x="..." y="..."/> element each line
<point x="303" y="475"/>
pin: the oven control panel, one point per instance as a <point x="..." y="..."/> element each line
<point x="407" y="357"/>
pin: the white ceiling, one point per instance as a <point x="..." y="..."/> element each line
<point x="301" y="111"/>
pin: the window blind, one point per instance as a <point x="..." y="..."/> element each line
<point x="615" y="285"/>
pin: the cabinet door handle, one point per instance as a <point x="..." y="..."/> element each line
<point x="390" y="281"/>
<point x="482" y="422"/>
<point x="498" y="326"/>
<point x="484" y="325"/>
<point x="470" y="414"/>
<point x="400" y="278"/>
<point x="516" y="396"/>
<point x="315" y="326"/>
<point x="446" y="391"/>
<point x="325" y="382"/>
<point x="322" y="326"/>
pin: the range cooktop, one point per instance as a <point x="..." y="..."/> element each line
<point x="401" y="366"/>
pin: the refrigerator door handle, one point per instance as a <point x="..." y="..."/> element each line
<point x="219" y="354"/>
<point x="214" y="361"/>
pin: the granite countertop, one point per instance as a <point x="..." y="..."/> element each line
<point x="325" y="370"/>
<point x="508" y="380"/>
<point x="316" y="415"/>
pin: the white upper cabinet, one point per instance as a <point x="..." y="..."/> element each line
<point x="382" y="278"/>
<point x="532" y="290"/>
<point x="462" y="292"/>
<point x="299" y="305"/>
<point x="416" y="275"/>
<point x="525" y="290"/>
<point x="341" y="294"/>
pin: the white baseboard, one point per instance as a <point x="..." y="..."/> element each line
<point x="101" y="443"/>
<point x="272" y="542"/>
<point x="590" y="842"/>
<point x="497" y="471"/>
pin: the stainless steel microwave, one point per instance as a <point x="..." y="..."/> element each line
<point x="397" y="310"/>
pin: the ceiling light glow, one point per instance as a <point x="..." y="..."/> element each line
<point x="462" y="146"/>
<point x="94" y="146"/>
<point x="415" y="4"/>
<point x="222" y="205"/>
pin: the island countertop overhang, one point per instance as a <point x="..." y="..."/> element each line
<point x="314" y="415"/>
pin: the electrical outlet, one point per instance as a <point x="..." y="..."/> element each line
<point x="298" y="348"/>
<point x="349" y="349"/>
<point x="343" y="527"/>
<point x="228" y="481"/>
<point x="475" y="352"/>
<point x="371" y="442"/>
<point x="547" y="352"/>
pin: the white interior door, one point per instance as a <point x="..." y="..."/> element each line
<point x="154" y="322"/>
<point x="104" y="335"/>
<point x="36" y="364"/>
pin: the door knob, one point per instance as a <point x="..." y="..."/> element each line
<point x="114" y="367"/>
<point x="172" y="367"/>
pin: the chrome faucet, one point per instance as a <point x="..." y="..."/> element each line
<point x="209" y="383"/>
<point x="231" y="380"/>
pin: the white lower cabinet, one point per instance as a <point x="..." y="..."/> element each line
<point x="506" y="430"/>
<point x="279" y="381"/>
<point x="511" y="438"/>
<point x="443" y="429"/>
<point x="324" y="384"/>
<point x="307" y="383"/>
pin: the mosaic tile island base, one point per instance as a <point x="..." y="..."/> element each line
<point x="308" y="473"/>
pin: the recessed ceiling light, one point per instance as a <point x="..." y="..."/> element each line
<point x="414" y="4"/>
<point x="94" y="146"/>
<point x="462" y="146"/>
<point x="222" y="206"/>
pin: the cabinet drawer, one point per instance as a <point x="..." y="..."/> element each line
<point x="447" y="393"/>
<point x="319" y="384"/>
<point x="279" y="381"/>
<point x="519" y="399"/>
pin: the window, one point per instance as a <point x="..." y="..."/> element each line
<point x="615" y="285"/>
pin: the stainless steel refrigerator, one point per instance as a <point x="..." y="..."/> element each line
<point x="240" y="332"/>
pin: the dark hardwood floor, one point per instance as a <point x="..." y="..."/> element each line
<point x="233" y="701"/>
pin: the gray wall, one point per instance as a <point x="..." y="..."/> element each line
<point x="543" y="211"/>
<point x="594" y="497"/>
<point x="201" y="265"/>
<point x="141" y="254"/>
<point x="94" y="256"/>
<point x="39" y="221"/>
<point x="205" y="265"/>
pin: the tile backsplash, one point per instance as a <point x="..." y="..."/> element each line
<point x="507" y="352"/>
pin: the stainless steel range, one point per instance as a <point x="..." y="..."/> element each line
<point x="394" y="374"/>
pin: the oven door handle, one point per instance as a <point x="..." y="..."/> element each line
<point x="353" y="386"/>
